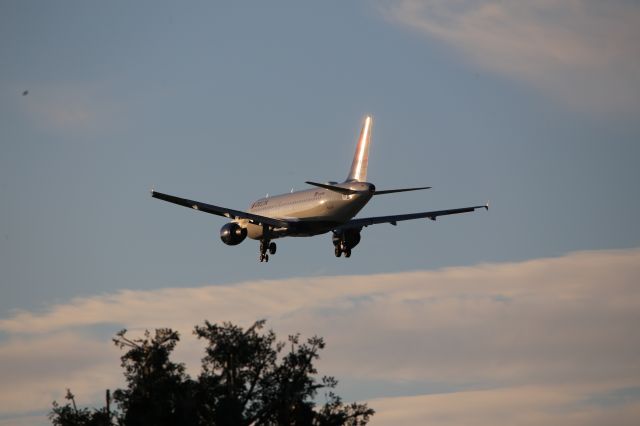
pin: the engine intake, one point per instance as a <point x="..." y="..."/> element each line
<point x="232" y="234"/>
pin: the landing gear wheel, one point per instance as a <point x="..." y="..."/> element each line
<point x="266" y="246"/>
<point x="347" y="253"/>
<point x="338" y="252"/>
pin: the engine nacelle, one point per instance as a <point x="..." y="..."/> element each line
<point x="232" y="234"/>
<point x="349" y="238"/>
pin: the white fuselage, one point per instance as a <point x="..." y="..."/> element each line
<point x="313" y="211"/>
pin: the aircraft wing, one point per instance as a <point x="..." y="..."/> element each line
<point x="359" y="223"/>
<point x="221" y="211"/>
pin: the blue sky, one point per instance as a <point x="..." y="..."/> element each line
<point x="534" y="107"/>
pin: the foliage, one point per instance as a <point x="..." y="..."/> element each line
<point x="159" y="392"/>
<point x="70" y="415"/>
<point x="247" y="378"/>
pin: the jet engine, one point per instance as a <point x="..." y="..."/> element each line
<point x="232" y="234"/>
<point x="346" y="239"/>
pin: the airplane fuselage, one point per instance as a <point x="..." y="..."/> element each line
<point x="312" y="211"/>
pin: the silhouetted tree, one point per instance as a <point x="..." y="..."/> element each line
<point x="159" y="392"/>
<point x="247" y="379"/>
<point x="70" y="415"/>
<point x="235" y="372"/>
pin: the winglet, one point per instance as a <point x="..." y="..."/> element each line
<point x="486" y="206"/>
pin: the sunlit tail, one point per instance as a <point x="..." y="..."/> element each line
<point x="358" y="170"/>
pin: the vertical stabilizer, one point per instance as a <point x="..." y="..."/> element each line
<point x="358" y="170"/>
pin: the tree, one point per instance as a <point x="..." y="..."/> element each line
<point x="70" y="415"/>
<point x="235" y="372"/>
<point x="159" y="391"/>
<point x="247" y="378"/>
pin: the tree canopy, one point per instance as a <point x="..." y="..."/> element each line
<point x="247" y="377"/>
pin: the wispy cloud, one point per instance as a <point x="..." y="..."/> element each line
<point x="544" y="405"/>
<point x="582" y="52"/>
<point x="546" y="337"/>
<point x="67" y="108"/>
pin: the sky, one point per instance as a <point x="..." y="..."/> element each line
<point x="525" y="312"/>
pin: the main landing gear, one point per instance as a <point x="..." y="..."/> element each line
<point x="265" y="246"/>
<point x="339" y="249"/>
<point x="344" y="241"/>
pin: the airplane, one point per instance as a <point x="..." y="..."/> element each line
<point x="329" y="206"/>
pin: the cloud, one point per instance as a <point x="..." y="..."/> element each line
<point x="64" y="108"/>
<point x="34" y="371"/>
<point x="510" y="406"/>
<point x="555" y="338"/>
<point x="581" y="52"/>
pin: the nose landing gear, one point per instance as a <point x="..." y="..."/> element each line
<point x="265" y="246"/>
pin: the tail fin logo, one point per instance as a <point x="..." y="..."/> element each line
<point x="358" y="170"/>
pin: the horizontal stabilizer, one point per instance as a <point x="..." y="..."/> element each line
<point x="391" y="191"/>
<point x="339" y="189"/>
